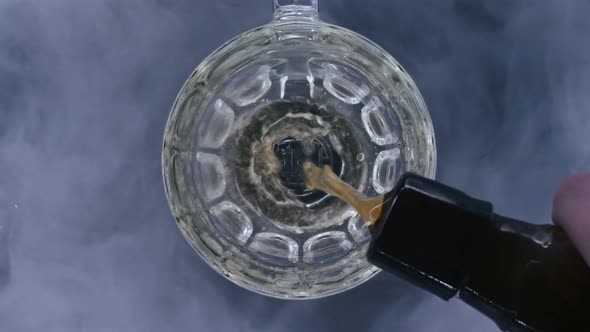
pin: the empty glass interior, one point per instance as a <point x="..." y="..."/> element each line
<point x="240" y="130"/>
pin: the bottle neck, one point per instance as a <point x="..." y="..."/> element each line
<point x="295" y="10"/>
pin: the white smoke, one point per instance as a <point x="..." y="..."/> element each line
<point x="85" y="89"/>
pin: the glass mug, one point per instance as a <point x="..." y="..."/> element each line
<point x="252" y="112"/>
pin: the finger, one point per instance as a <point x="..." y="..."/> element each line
<point x="571" y="210"/>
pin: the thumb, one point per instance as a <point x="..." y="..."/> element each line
<point x="571" y="210"/>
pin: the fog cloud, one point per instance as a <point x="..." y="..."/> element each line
<point x="85" y="90"/>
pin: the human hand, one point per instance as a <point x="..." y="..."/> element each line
<point x="571" y="210"/>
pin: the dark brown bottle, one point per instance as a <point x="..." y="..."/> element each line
<point x="525" y="277"/>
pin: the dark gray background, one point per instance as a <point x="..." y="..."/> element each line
<point x="85" y="89"/>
